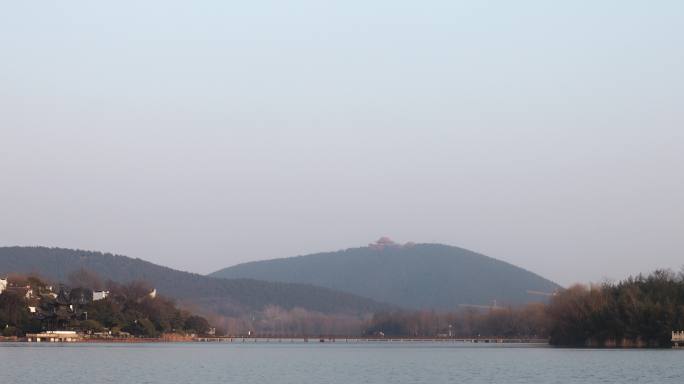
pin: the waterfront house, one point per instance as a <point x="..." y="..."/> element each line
<point x="60" y="312"/>
<point x="53" y="337"/>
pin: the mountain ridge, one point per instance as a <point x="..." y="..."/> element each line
<point x="226" y="296"/>
<point x="418" y="276"/>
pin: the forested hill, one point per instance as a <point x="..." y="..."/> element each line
<point x="421" y="276"/>
<point x="225" y="296"/>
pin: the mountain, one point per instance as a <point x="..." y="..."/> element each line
<point x="224" y="296"/>
<point x="419" y="276"/>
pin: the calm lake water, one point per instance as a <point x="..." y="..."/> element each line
<point x="332" y="363"/>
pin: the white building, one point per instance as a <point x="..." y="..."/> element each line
<point x="53" y="336"/>
<point x="3" y="284"/>
<point x="153" y="294"/>
<point x="99" y="295"/>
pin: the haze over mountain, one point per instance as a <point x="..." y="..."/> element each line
<point x="425" y="276"/>
<point x="223" y="296"/>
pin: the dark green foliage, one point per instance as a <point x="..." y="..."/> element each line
<point x="108" y="312"/>
<point x="198" y="324"/>
<point x="8" y="331"/>
<point x="141" y="327"/>
<point x="128" y="308"/>
<point x="641" y="311"/>
<point x="422" y="276"/>
<point x="91" y="326"/>
<point x="13" y="310"/>
<point x="228" y="297"/>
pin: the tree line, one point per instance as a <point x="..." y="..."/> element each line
<point x="526" y="322"/>
<point x="639" y="311"/>
<point x="128" y="308"/>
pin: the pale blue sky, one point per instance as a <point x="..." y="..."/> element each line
<point x="205" y="133"/>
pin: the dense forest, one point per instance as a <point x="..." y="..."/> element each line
<point x="411" y="276"/>
<point x="30" y="305"/>
<point x="638" y="311"/>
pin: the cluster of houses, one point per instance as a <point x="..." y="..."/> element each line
<point x="56" y="308"/>
<point x="45" y="291"/>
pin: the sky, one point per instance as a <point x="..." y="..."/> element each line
<point x="202" y="134"/>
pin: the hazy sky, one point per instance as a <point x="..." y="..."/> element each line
<point x="200" y="134"/>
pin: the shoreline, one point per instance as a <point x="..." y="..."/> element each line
<point x="326" y="340"/>
<point x="293" y="339"/>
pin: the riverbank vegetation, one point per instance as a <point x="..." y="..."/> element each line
<point x="639" y="311"/>
<point x="30" y="305"/>
<point x="528" y="322"/>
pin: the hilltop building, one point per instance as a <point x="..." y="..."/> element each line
<point x="385" y="242"/>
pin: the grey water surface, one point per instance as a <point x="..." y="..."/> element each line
<point x="332" y="363"/>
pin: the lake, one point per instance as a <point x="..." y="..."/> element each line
<point x="339" y="362"/>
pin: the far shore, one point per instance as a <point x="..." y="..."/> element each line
<point x="280" y="339"/>
<point x="318" y="340"/>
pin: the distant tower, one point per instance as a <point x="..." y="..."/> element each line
<point x="384" y="242"/>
